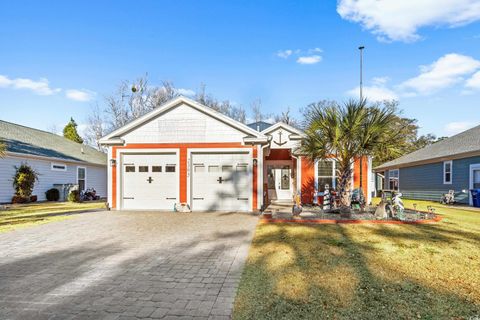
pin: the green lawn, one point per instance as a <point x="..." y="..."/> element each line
<point x="23" y="215"/>
<point x="365" y="271"/>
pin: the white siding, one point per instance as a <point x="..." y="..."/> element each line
<point x="184" y="124"/>
<point x="290" y="144"/>
<point x="96" y="176"/>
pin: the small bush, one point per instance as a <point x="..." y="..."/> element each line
<point x="52" y="194"/>
<point x="33" y="198"/>
<point x="20" y="199"/>
<point x="74" y="196"/>
<point x="24" y="180"/>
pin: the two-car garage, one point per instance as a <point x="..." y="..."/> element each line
<point x="215" y="181"/>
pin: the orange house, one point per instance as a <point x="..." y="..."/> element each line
<point x="185" y="152"/>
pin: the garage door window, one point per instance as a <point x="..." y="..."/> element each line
<point x="129" y="168"/>
<point x="213" y="168"/>
<point x="156" y="168"/>
<point x="199" y="168"/>
<point x="142" y="168"/>
<point x="242" y="168"/>
<point x="170" y="168"/>
<point x="227" y="168"/>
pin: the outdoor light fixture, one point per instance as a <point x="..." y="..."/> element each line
<point x="113" y="162"/>
<point x="255" y="162"/>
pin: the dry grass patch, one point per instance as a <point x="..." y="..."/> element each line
<point x="24" y="215"/>
<point x="365" y="271"/>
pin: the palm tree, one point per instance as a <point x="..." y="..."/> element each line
<point x="345" y="133"/>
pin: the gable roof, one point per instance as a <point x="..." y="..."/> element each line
<point x="464" y="144"/>
<point x="34" y="142"/>
<point x="295" y="133"/>
<point x="114" y="137"/>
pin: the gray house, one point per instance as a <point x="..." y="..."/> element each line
<point x="428" y="173"/>
<point x="58" y="161"/>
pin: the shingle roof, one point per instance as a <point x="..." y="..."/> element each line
<point x="464" y="142"/>
<point x="259" y="125"/>
<point x="21" y="139"/>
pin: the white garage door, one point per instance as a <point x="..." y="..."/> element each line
<point x="221" y="182"/>
<point x="150" y="181"/>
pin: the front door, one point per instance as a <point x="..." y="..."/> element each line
<point x="279" y="182"/>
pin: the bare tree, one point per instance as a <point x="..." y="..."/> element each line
<point x="285" y="117"/>
<point x="95" y="128"/>
<point x="256" y="107"/>
<point x="53" y="128"/>
<point x="225" y="107"/>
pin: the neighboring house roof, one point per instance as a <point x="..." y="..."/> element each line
<point x="462" y="145"/>
<point x="115" y="136"/>
<point x="259" y="125"/>
<point x="34" y="142"/>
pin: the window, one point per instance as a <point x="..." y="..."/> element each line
<point x="393" y="179"/>
<point x="58" y="167"/>
<point x="142" y="168"/>
<point x="170" y="168"/>
<point x="242" y="168"/>
<point x="326" y="174"/>
<point x="227" y="168"/>
<point x="447" y="172"/>
<point x="156" y="168"/>
<point x="213" y="168"/>
<point x="198" y="168"/>
<point x="270" y="177"/>
<point x="129" y="168"/>
<point x="81" y="178"/>
<point x="285" y="174"/>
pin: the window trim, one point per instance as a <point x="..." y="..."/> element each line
<point x="333" y="176"/>
<point x="85" y="179"/>
<point x="451" y="171"/>
<point x="390" y="177"/>
<point x="52" y="164"/>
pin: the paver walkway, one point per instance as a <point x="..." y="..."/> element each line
<point x="125" y="265"/>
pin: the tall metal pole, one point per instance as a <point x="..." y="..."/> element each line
<point x="361" y="100"/>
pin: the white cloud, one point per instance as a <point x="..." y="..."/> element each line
<point x="315" y="50"/>
<point x="40" y="87"/>
<point x="374" y="93"/>
<point x="474" y="81"/>
<point x="457" y="127"/>
<point x="309" y="59"/>
<point x="80" y="95"/>
<point x="399" y="20"/>
<point x="443" y="73"/>
<point x="186" y="92"/>
<point x="284" y="53"/>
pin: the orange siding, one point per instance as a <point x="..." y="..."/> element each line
<point x="183" y="151"/>
<point x="308" y="180"/>
<point x="356" y="175"/>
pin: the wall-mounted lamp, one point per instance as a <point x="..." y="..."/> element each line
<point x="113" y="162"/>
<point x="255" y="162"/>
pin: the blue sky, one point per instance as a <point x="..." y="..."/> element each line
<point x="58" y="58"/>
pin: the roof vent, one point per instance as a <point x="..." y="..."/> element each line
<point x="81" y="150"/>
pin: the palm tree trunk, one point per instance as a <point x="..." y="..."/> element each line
<point x="344" y="183"/>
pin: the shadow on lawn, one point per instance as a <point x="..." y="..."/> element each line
<point x="338" y="279"/>
<point x="97" y="281"/>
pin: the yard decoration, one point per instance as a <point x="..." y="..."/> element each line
<point x="346" y="133"/>
<point x="23" y="183"/>
<point x="297" y="205"/>
<point x="182" y="207"/>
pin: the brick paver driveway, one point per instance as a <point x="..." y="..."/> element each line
<point x="125" y="265"/>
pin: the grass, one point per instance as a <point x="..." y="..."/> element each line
<point x="25" y="215"/>
<point x="365" y="271"/>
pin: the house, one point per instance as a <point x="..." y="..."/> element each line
<point x="185" y="152"/>
<point x="428" y="173"/>
<point x="57" y="160"/>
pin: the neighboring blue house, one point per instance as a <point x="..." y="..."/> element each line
<point x="428" y="173"/>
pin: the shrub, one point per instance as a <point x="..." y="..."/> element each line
<point x="52" y="194"/>
<point x="74" y="196"/>
<point x="24" y="180"/>
<point x="20" y="199"/>
<point x="33" y="198"/>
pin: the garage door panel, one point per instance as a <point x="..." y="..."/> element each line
<point x="150" y="181"/>
<point x="221" y="181"/>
